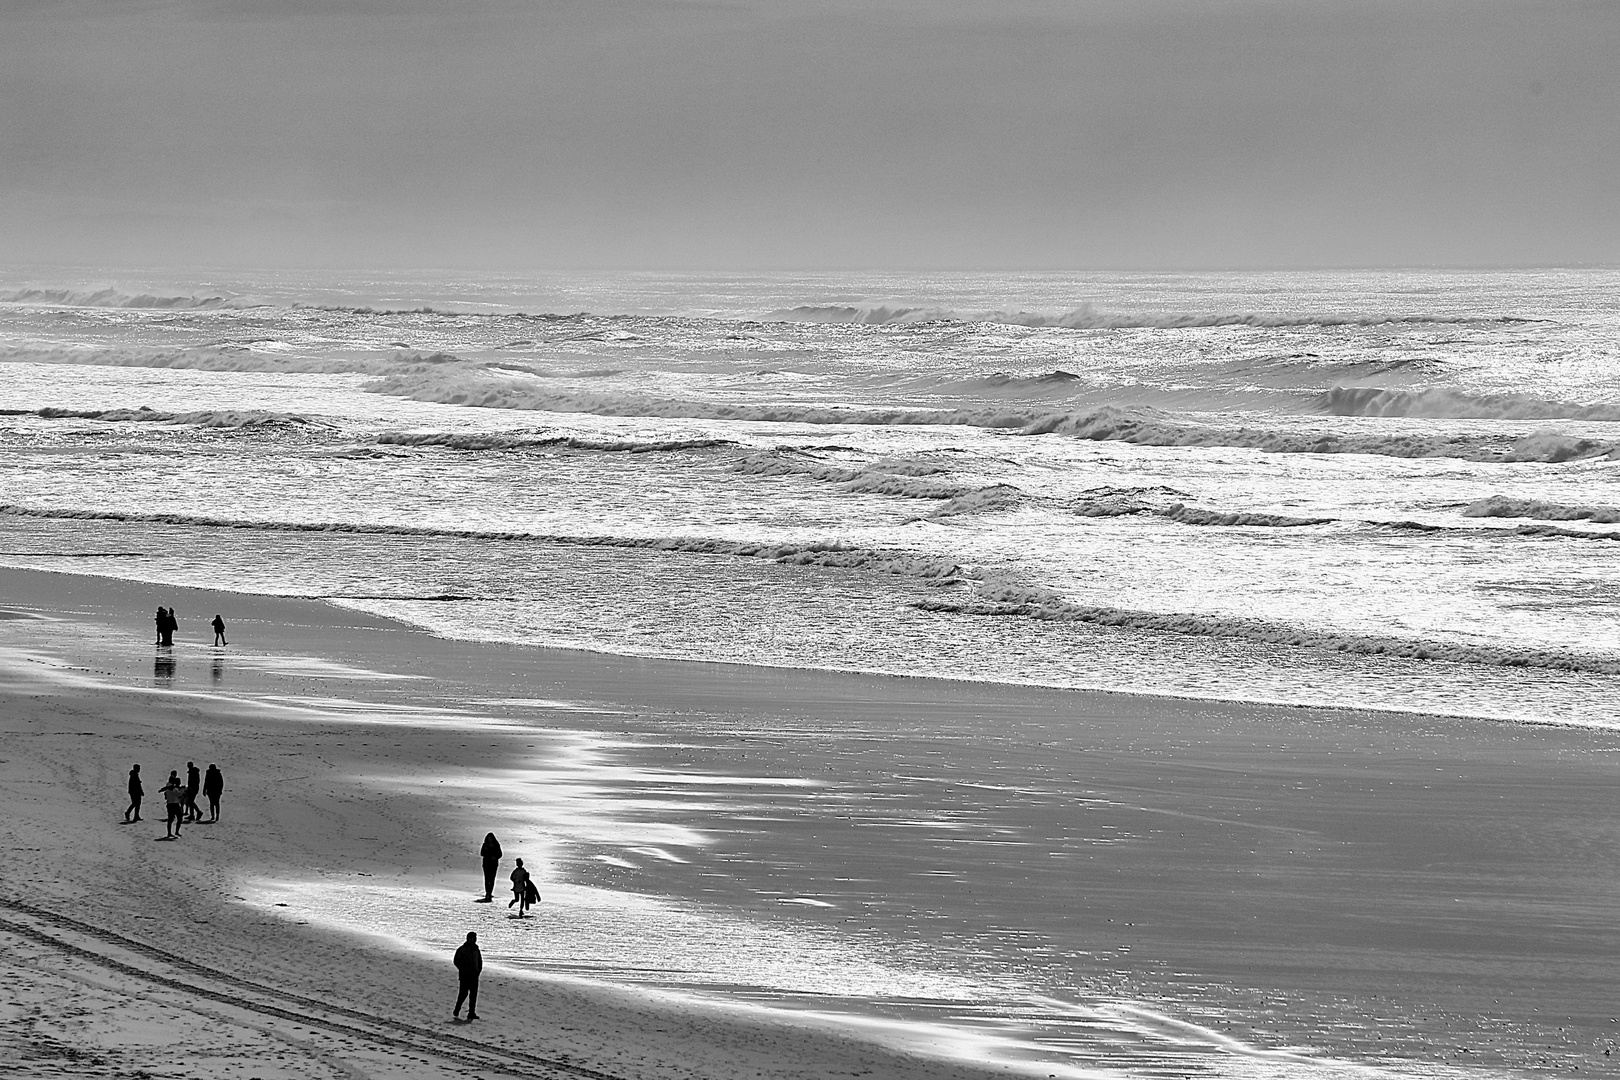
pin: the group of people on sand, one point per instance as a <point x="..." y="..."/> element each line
<point x="469" y="959"/>
<point x="179" y="797"/>
<point x="167" y="625"/>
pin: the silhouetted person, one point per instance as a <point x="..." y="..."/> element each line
<point x="491" y="851"/>
<point x="213" y="786"/>
<point x="193" y="785"/>
<point x="174" y="799"/>
<point x="166" y="627"/>
<point x="162" y="620"/>
<point x="219" y="631"/>
<point x="520" y="889"/>
<point x="469" y="962"/>
<point x="135" y="793"/>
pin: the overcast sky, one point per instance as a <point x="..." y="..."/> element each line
<point x="809" y="133"/>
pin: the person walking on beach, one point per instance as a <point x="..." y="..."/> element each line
<point x="491" y="851"/>
<point x="469" y="962"/>
<point x="521" y="889"/>
<point x="193" y="785"/>
<point x="174" y="798"/>
<point x="219" y="631"/>
<point x="213" y="787"/>
<point x="135" y="793"/>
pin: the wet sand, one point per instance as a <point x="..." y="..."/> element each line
<point x="1422" y="892"/>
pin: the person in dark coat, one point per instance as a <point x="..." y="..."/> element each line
<point x="469" y="962"/>
<point x="193" y="785"/>
<point x="219" y="631"/>
<point x="491" y="851"/>
<point x="213" y="787"/>
<point x="174" y="800"/>
<point x="135" y="793"/>
<point x="162" y="621"/>
<point x="167" y="627"/>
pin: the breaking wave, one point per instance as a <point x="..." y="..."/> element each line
<point x="985" y="500"/>
<point x="1087" y="317"/>
<point x="830" y="554"/>
<point x="1166" y="502"/>
<point x="1125" y="501"/>
<point x="1104" y="423"/>
<point x="906" y="478"/>
<point x="235" y="356"/>
<point x="1507" y="506"/>
<point x="113" y="298"/>
<point x="213" y="358"/>
<point x="474" y="441"/>
<point x="993" y="596"/>
<point x="1442" y="403"/>
<point x="216" y="418"/>
<point x="1191" y="515"/>
<point x="1147" y="427"/>
<point x="1000" y="379"/>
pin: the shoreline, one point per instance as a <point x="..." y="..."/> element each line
<point x="321" y="663"/>
<point x="186" y="910"/>
<point x="587" y="656"/>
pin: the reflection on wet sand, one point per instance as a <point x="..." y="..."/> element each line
<point x="217" y="670"/>
<point x="163" y="668"/>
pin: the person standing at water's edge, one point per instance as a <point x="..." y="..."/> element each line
<point x="469" y="963"/>
<point x="213" y="786"/>
<point x="167" y="625"/>
<point x="491" y="852"/>
<point x="219" y="631"/>
<point x="162" y="621"/>
<point x="135" y="793"/>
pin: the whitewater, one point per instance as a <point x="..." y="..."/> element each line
<point x="1387" y="489"/>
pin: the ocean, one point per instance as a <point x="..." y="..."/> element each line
<point x="1384" y="489"/>
<point x="1390" y="490"/>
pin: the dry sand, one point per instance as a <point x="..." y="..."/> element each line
<point x="1463" y="877"/>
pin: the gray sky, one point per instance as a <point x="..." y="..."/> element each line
<point x="809" y="133"/>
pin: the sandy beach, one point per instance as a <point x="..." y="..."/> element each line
<point x="1260" y="873"/>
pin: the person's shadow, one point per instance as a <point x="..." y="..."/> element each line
<point x="163" y="668"/>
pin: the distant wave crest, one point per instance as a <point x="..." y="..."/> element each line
<point x="503" y="441"/>
<point x="1087" y="317"/>
<point x="114" y="298"/>
<point x="219" y="418"/>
